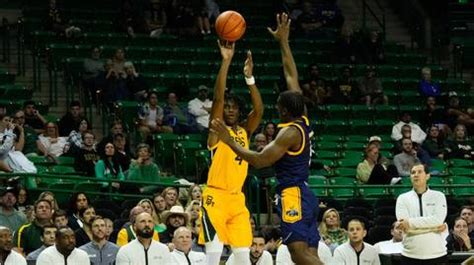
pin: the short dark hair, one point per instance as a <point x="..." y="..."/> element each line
<point x="293" y="102"/>
<point x="59" y="213"/>
<point x="43" y="229"/>
<point x="61" y="229"/>
<point x="42" y="200"/>
<point x="28" y="102"/>
<point x="425" y="167"/>
<point x="356" y="220"/>
<point x="258" y="233"/>
<point x="87" y="132"/>
<point x="97" y="217"/>
<point x="83" y="210"/>
<point x="75" y="103"/>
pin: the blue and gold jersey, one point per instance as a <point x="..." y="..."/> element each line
<point x="293" y="168"/>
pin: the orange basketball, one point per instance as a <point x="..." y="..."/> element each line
<point x="230" y="26"/>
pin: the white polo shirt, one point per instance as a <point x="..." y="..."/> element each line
<point x="265" y="259"/>
<point x="346" y="255"/>
<point x="134" y="253"/>
<point x="51" y="256"/>
<point x="389" y="247"/>
<point x="15" y="259"/>
<point x="193" y="257"/>
<point x="283" y="256"/>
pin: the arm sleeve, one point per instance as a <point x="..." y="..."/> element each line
<point x="122" y="259"/>
<point x="363" y="173"/>
<point x="338" y="258"/>
<point x="122" y="237"/>
<point x="396" y="132"/>
<point x="418" y="134"/>
<point x="401" y="209"/>
<point x="7" y="145"/>
<point x="100" y="169"/>
<point x="436" y="218"/>
<point x="133" y="172"/>
<point x="398" y="164"/>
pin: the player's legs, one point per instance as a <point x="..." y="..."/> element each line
<point x="214" y="251"/>
<point x="302" y="255"/>
<point x="241" y="256"/>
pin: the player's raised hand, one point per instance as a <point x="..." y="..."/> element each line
<point x="227" y="49"/>
<point x="248" y="66"/>
<point x="282" y="31"/>
<point x="219" y="128"/>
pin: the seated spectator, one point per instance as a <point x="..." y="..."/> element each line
<point x="159" y="204"/>
<point x="109" y="230"/>
<point x="91" y="69"/>
<point x="371" y="89"/>
<point x="9" y="216"/>
<point x="260" y="141"/>
<point x="345" y="90"/>
<point x="123" y="157"/>
<point x="392" y="246"/>
<point x="72" y="120"/>
<point x="434" y="144"/>
<point x="22" y="200"/>
<point x="308" y="21"/>
<point x="459" y="147"/>
<point x="77" y="202"/>
<point x="283" y="256"/>
<point x="84" y="234"/>
<point x="87" y="156"/>
<point x="60" y="218"/>
<point x="155" y="18"/>
<point x="51" y="140"/>
<point x="143" y="168"/>
<point x="417" y="134"/>
<point x="194" y="193"/>
<point x="57" y="23"/>
<point x="150" y="116"/>
<point x="200" y="11"/>
<point x="457" y="114"/>
<point x="109" y="168"/>
<point x="346" y="47"/>
<point x="330" y="229"/>
<point x="373" y="171"/>
<point x="200" y="108"/>
<point x="100" y="250"/>
<point x="10" y="159"/>
<point x="407" y="159"/>
<point x="9" y="257"/>
<point x="373" y="49"/>
<point x="49" y="196"/>
<point x="458" y="239"/>
<point x="178" y="117"/>
<point x="314" y="89"/>
<point x="118" y="62"/>
<point x="74" y="140"/>
<point x="330" y="14"/>
<point x="193" y="210"/>
<point x="32" y="117"/>
<point x="258" y="254"/>
<point x="270" y="131"/>
<point x="48" y="237"/>
<point x="170" y="194"/>
<point x="147" y="206"/>
<point x="427" y="87"/>
<point x="27" y="140"/>
<point x="173" y="218"/>
<point x="28" y="237"/>
<point x="420" y="152"/>
<point x="136" y="84"/>
<point x="112" y="84"/>
<point x="116" y="128"/>
<point x="64" y="251"/>
<point x="467" y="213"/>
<point x="128" y="232"/>
<point x="432" y="114"/>
<point x="356" y="249"/>
<point x="182" y="253"/>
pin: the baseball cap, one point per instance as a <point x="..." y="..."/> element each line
<point x="5" y="190"/>
<point x="452" y="94"/>
<point x="375" y="138"/>
<point x="203" y="87"/>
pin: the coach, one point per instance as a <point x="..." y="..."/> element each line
<point x="420" y="214"/>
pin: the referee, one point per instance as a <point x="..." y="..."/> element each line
<point x="421" y="213"/>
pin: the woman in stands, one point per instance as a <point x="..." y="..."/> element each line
<point x="77" y="202"/>
<point x="194" y="194"/>
<point x="170" y="195"/>
<point x="53" y="143"/>
<point x="147" y="205"/>
<point x="193" y="209"/>
<point x="74" y="140"/>
<point x="373" y="171"/>
<point x="108" y="167"/>
<point x="459" y="147"/>
<point x="330" y="229"/>
<point x="144" y="169"/>
<point x="458" y="239"/>
<point x="269" y="130"/>
<point x="160" y="206"/>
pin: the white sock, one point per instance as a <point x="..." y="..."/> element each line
<point x="241" y="256"/>
<point x="214" y="251"/>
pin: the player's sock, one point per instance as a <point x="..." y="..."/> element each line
<point x="241" y="256"/>
<point x="214" y="251"/>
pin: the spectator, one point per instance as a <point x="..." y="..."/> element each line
<point x="170" y="194"/>
<point x="193" y="209"/>
<point x="136" y="84"/>
<point x="28" y="237"/>
<point x="132" y="253"/>
<point x="64" y="252"/>
<point x="467" y="214"/>
<point x="308" y="22"/>
<point x="417" y="134"/>
<point x="433" y="114"/>
<point x="48" y="237"/>
<point x="269" y="130"/>
<point x="132" y="17"/>
<point x="420" y="213"/>
<point x="57" y="23"/>
<point x="182" y="254"/>
<point x="373" y="49"/>
<point x="109" y="225"/>
<point x="10" y="217"/>
<point x="200" y="108"/>
<point x="118" y="62"/>
<point x="144" y="169"/>
<point x="422" y="155"/>
<point x="330" y="14"/>
<point x="356" y="250"/>
<point x="156" y="18"/>
<point x="330" y="229"/>
<point x="32" y="117"/>
<point x="60" y="218"/>
<point x="260" y="141"/>
<point x="49" y="196"/>
<point x="371" y="88"/>
<point x="458" y="239"/>
<point x="116" y="128"/>
<point x="92" y="68"/>
<point x="99" y="250"/>
<point x="87" y="156"/>
<point x="151" y="116"/>
<point x="457" y="113"/>
<point x="200" y="11"/>
<point x="147" y="206"/>
<point x="74" y="140"/>
<point x="373" y="171"/>
<point x="427" y="88"/>
<point x="77" y="201"/>
<point x="111" y="84"/>
<point x="22" y="199"/>
<point x="407" y="159"/>
<point x="314" y="89"/>
<point x="194" y="193"/>
<point x="121" y="152"/>
<point x="174" y="218"/>
<point x="109" y="168"/>
<point x="345" y="91"/>
<point x="72" y="120"/>
<point x="84" y="234"/>
<point x="27" y="139"/>
<point x="51" y="140"/>
<point x="346" y="47"/>
<point x="178" y="117"/>
<point x="159" y="205"/>
<point x="392" y="246"/>
<point x="258" y="254"/>
<point x="283" y="256"/>
<point x="434" y="144"/>
<point x="459" y="147"/>
<point x="128" y="232"/>
<point x="9" y="257"/>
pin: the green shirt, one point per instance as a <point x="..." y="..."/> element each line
<point x="30" y="141"/>
<point x="338" y="236"/>
<point x="138" y="172"/>
<point x="28" y="237"/>
<point x="101" y="172"/>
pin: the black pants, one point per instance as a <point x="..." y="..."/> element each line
<point x="438" y="261"/>
<point x="381" y="176"/>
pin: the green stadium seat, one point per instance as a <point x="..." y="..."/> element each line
<point x="461" y="163"/>
<point x="357" y="138"/>
<point x="363" y="112"/>
<point x="326" y="145"/>
<point x="461" y="171"/>
<point x="345" y="172"/>
<point x="341" y="192"/>
<point x="368" y="191"/>
<point x="329" y="138"/>
<point x="341" y="112"/>
<point x="87" y="187"/>
<point x="439" y="165"/>
<point x="317" y="180"/>
<point x="63" y="170"/>
<point x="399" y="189"/>
<point x="348" y="163"/>
<point x="355" y="155"/>
<point x="324" y="154"/>
<point x="163" y="144"/>
<point x="65" y="160"/>
<point x="462" y="190"/>
<point x="184" y="155"/>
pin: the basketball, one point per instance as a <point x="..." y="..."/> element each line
<point x="230" y="26"/>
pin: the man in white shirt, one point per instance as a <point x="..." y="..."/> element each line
<point x="392" y="246"/>
<point x="64" y="252"/>
<point x="356" y="251"/>
<point x="182" y="254"/>
<point x="258" y="254"/>
<point x="48" y="237"/>
<point x="417" y="134"/>
<point x="200" y="107"/>
<point x="420" y="214"/>
<point x="283" y="256"/>
<point x="7" y="256"/>
<point x="144" y="248"/>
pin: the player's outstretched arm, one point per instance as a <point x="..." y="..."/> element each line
<point x="287" y="138"/>
<point x="281" y="34"/>
<point x="217" y="110"/>
<point x="255" y="116"/>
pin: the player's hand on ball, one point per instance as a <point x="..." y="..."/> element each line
<point x="227" y="49"/>
<point x="248" y="66"/>
<point x="219" y="128"/>
<point x="283" y="27"/>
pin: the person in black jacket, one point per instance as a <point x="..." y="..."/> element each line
<point x="87" y="156"/>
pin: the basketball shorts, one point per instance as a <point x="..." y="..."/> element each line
<point x="225" y="213"/>
<point x="298" y="209"/>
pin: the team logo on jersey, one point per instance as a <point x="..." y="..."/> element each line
<point x="292" y="213"/>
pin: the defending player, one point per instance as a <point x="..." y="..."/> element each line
<point x="225" y="219"/>
<point x="290" y="154"/>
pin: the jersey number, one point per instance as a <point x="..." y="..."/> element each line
<point x="238" y="158"/>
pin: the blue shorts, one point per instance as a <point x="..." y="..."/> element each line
<point x="298" y="209"/>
